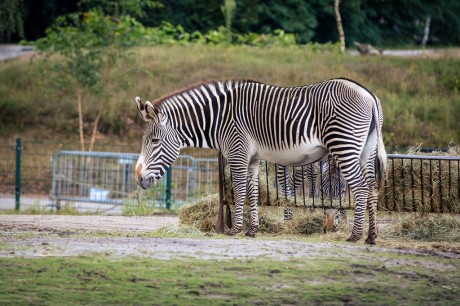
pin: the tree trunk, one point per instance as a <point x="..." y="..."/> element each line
<point x="338" y="18"/>
<point x="426" y="32"/>
<point x="80" y="121"/>
<point x="94" y="133"/>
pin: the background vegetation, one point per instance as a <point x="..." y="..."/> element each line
<point x="389" y="23"/>
<point x="104" y="53"/>
<point x="419" y="96"/>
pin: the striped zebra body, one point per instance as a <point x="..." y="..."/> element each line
<point x="249" y="121"/>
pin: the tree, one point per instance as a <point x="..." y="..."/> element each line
<point x="338" y="18"/>
<point x="11" y="19"/>
<point x="89" y="44"/>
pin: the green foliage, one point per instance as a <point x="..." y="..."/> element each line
<point x="88" y="42"/>
<point x="168" y="33"/>
<point x="11" y="19"/>
<point x="119" y="8"/>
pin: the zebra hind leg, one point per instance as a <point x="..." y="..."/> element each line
<point x="253" y="197"/>
<point x="354" y="176"/>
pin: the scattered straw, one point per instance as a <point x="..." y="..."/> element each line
<point x="430" y="227"/>
<point x="203" y="215"/>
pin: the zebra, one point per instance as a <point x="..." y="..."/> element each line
<point x="332" y="216"/>
<point x="291" y="182"/>
<point x="332" y="184"/>
<point x="248" y="121"/>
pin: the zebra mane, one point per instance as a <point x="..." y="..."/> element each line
<point x="207" y="84"/>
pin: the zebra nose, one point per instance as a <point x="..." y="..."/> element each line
<point x="141" y="181"/>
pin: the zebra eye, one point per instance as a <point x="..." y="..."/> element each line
<point x="155" y="140"/>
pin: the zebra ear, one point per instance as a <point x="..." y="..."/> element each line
<point x="155" y="114"/>
<point x="142" y="110"/>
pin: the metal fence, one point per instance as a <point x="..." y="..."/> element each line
<point x="414" y="183"/>
<point x="50" y="174"/>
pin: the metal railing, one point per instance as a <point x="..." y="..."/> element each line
<point x="422" y="183"/>
<point x="107" y="178"/>
<point x="414" y="183"/>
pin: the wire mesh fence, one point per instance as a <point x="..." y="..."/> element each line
<point x="54" y="174"/>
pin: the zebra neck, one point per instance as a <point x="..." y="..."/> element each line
<point x="197" y="114"/>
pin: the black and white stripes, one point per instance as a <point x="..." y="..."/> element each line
<point x="248" y="121"/>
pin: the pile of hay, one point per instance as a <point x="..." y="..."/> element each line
<point x="203" y="215"/>
<point x="429" y="227"/>
<point x="398" y="195"/>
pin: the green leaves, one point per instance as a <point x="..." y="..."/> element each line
<point x="89" y="42"/>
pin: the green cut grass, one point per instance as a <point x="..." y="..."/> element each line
<point x="139" y="281"/>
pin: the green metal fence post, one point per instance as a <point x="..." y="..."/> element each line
<point x="18" y="172"/>
<point x="168" y="187"/>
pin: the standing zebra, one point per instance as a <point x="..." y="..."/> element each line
<point x="248" y="121"/>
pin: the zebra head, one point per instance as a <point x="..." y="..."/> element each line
<point x="332" y="215"/>
<point x="160" y="146"/>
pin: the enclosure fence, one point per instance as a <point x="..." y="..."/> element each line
<point x="53" y="174"/>
<point x="417" y="183"/>
<point x="49" y="174"/>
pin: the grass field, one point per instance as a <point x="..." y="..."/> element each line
<point x="419" y="95"/>
<point x="97" y="280"/>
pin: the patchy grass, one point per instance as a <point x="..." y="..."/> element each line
<point x="138" y="281"/>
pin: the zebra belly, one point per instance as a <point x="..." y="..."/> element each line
<point x="298" y="156"/>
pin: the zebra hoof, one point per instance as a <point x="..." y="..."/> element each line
<point x="232" y="232"/>
<point x="370" y="240"/>
<point x="353" y="238"/>
<point x="251" y="234"/>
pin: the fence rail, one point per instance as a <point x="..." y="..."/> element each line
<point x="414" y="183"/>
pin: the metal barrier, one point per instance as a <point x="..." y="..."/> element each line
<point x="414" y="183"/>
<point x="107" y="178"/>
<point x="422" y="183"/>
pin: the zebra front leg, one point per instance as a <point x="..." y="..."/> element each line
<point x="239" y="175"/>
<point x="253" y="197"/>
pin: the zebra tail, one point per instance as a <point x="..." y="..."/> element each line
<point x="381" y="162"/>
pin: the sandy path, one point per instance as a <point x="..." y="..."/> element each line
<point x="34" y="236"/>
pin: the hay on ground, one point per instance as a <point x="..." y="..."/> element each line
<point x="203" y="215"/>
<point x="429" y="227"/>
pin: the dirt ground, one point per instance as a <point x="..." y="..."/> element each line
<point x="32" y="236"/>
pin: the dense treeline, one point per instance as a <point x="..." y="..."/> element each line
<point x="384" y="23"/>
